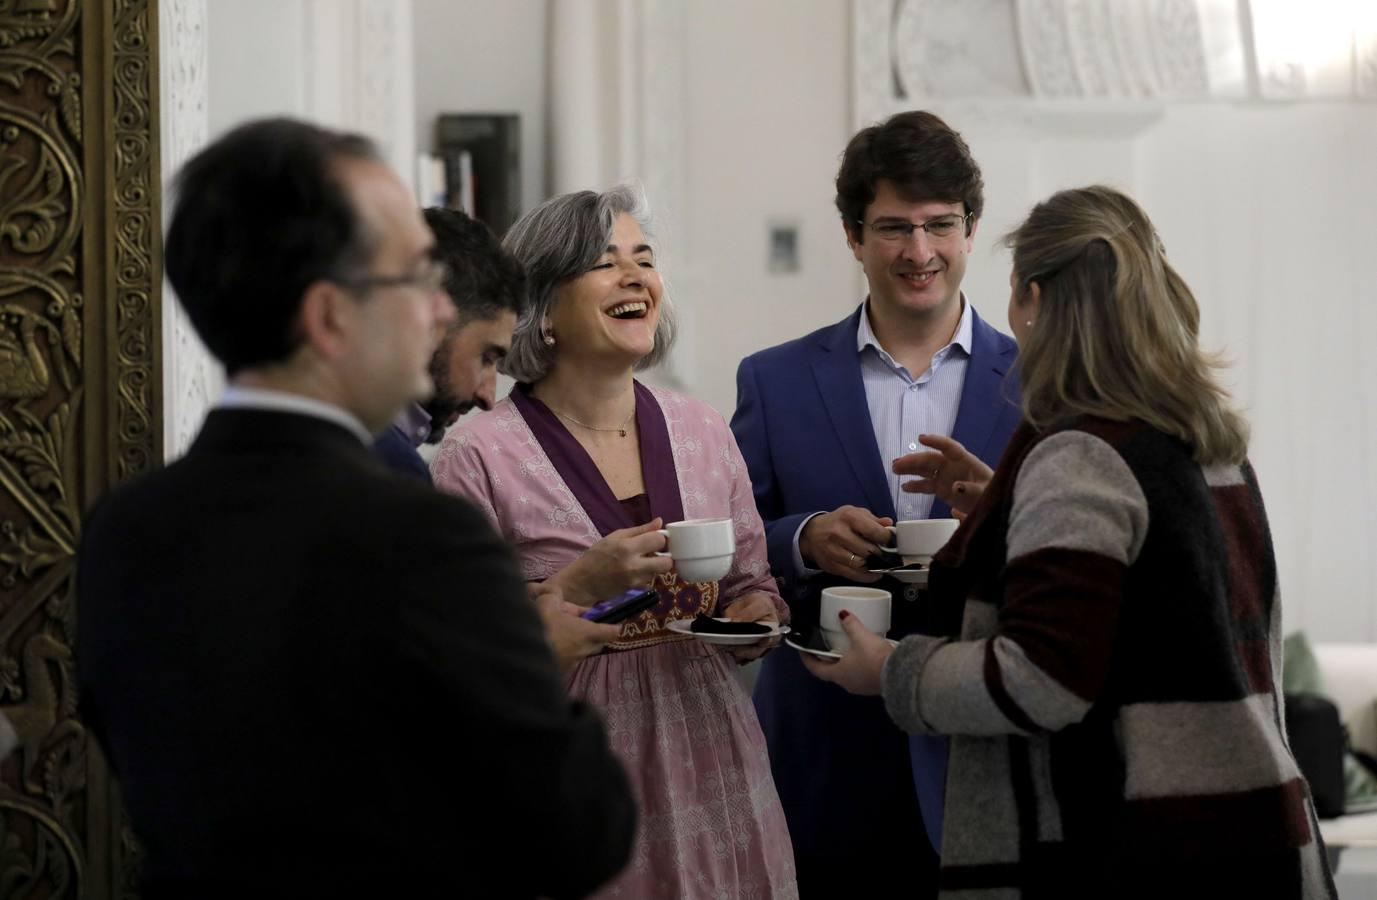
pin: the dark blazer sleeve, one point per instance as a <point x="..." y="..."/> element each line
<point x="753" y="437"/>
<point x="540" y="764"/>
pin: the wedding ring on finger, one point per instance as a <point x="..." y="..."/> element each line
<point x="851" y="560"/>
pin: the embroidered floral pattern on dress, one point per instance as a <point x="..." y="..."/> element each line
<point x="711" y="823"/>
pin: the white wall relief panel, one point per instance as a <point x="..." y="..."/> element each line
<point x="386" y="88"/>
<point x="192" y="379"/>
<point x="1044" y="27"/>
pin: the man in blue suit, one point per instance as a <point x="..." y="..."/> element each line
<point x="820" y="420"/>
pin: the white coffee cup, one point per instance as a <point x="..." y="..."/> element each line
<point x="870" y="606"/>
<point x="702" y="549"/>
<point x="921" y="537"/>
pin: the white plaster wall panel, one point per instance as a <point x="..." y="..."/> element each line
<point x="192" y="379"/>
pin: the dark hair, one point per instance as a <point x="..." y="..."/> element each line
<point x="916" y="152"/>
<point x="483" y="281"/>
<point x="483" y="278"/>
<point x="259" y="215"/>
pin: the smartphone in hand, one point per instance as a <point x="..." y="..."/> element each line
<point x="622" y="607"/>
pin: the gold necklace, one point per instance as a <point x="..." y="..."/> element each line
<point x="620" y="429"/>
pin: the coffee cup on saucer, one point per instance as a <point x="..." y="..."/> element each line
<point x="702" y="549"/>
<point x="918" y="540"/>
<point x="870" y="606"/>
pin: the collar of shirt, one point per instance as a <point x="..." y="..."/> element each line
<point x="865" y="337"/>
<point x="240" y="397"/>
<point x="414" y="422"/>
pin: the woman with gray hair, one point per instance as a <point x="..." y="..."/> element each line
<point x="578" y="468"/>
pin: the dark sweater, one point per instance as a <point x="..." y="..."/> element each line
<point x="1114" y="694"/>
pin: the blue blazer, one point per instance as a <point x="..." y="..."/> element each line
<point x="396" y="449"/>
<point x="804" y="428"/>
<point x="803" y="424"/>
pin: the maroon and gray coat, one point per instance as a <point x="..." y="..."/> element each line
<point x="1113" y="695"/>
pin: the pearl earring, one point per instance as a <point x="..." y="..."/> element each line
<point x="1029" y="323"/>
<point x="549" y="340"/>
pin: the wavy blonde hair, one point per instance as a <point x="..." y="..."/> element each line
<point x="1117" y="330"/>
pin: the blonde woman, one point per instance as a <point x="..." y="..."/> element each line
<point x="1114" y="694"/>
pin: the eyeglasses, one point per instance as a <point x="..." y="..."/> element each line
<point x="429" y="276"/>
<point x="937" y="229"/>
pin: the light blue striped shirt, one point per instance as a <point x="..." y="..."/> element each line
<point x="903" y="407"/>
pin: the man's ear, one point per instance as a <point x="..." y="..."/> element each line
<point x="852" y="240"/>
<point x="325" y="319"/>
<point x="970" y="238"/>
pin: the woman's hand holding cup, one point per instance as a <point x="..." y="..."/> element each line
<point x="623" y="559"/>
<point x="702" y="549"/>
<point x="861" y="668"/>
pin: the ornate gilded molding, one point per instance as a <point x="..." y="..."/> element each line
<point x="79" y="397"/>
<point x="134" y="241"/>
<point x="41" y="356"/>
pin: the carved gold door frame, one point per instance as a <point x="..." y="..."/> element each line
<point x="80" y="398"/>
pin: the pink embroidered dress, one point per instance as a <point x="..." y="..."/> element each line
<point x="711" y="824"/>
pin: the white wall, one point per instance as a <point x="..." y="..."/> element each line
<point x="477" y="56"/>
<point x="767" y="119"/>
<point x="341" y="63"/>
<point x="1270" y="213"/>
<point x="255" y="61"/>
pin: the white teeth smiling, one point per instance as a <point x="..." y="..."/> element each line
<point x="919" y="278"/>
<point x="632" y="310"/>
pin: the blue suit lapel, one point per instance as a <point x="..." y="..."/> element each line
<point x="837" y="370"/>
<point x="986" y="398"/>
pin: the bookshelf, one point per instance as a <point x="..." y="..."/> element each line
<point x="476" y="167"/>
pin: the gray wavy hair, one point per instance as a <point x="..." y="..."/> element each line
<point x="561" y="239"/>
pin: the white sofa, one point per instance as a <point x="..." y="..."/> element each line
<point x="1349" y="672"/>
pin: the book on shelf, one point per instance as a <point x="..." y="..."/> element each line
<point x="459" y="186"/>
<point x="482" y="165"/>
<point x="431" y="189"/>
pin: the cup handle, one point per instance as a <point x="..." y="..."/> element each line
<point x="894" y="540"/>
<point x="666" y="536"/>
